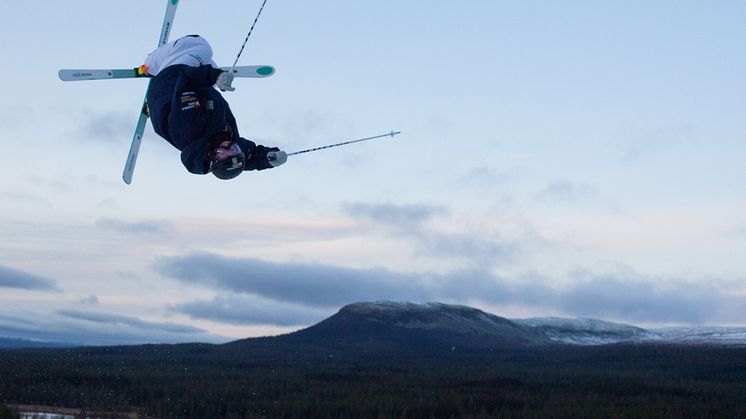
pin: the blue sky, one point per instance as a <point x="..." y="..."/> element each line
<point x="579" y="159"/>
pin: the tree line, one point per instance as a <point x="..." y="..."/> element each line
<point x="202" y="382"/>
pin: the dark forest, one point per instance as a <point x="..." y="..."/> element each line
<point x="211" y="381"/>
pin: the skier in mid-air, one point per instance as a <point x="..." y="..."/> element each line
<point x="193" y="116"/>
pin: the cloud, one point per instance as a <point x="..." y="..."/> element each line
<point x="323" y="286"/>
<point x="635" y="298"/>
<point x="661" y="139"/>
<point x="250" y="310"/>
<point x="16" y="115"/>
<point x="482" y="285"/>
<point x="106" y="126"/>
<point x="618" y="295"/>
<point x="564" y="192"/>
<point x="485" y="251"/>
<point x="115" y="319"/>
<point x="481" y="247"/>
<point x="402" y="216"/>
<point x="55" y="185"/>
<point x="483" y="177"/>
<point x="89" y="300"/>
<point x="11" y="278"/>
<point x="144" y="227"/>
<point x="308" y="284"/>
<point x="91" y="328"/>
<point x="27" y="198"/>
<point x="738" y="231"/>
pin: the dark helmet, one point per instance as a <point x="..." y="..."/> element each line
<point x="227" y="161"/>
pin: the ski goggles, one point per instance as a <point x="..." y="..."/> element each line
<point x="225" y="150"/>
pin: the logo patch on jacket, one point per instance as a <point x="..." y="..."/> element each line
<point x="189" y="101"/>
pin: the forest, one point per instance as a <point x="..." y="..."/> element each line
<point x="216" y="381"/>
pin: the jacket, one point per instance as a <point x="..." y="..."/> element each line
<point x="188" y="112"/>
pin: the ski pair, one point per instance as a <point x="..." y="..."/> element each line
<point x="75" y="75"/>
<point x="248" y="71"/>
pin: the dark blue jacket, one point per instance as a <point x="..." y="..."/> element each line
<point x="189" y="113"/>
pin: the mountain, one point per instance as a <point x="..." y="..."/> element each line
<point x="599" y="332"/>
<point x="587" y="331"/>
<point x="703" y="335"/>
<point x="7" y="342"/>
<point x="406" y="328"/>
<point x="401" y="328"/>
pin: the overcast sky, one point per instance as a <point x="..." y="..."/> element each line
<point x="576" y="158"/>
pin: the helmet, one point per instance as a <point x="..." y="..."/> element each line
<point x="227" y="160"/>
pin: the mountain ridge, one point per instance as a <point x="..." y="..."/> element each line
<point x="440" y="324"/>
<point x="406" y="327"/>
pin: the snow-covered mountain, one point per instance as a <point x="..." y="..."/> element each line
<point x="587" y="331"/>
<point x="703" y="335"/>
<point x="599" y="332"/>
<point x="433" y="316"/>
<point x="459" y="325"/>
<point x="403" y="327"/>
<point x="476" y="324"/>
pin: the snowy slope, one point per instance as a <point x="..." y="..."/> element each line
<point x="599" y="332"/>
<point x="587" y="331"/>
<point x="704" y="335"/>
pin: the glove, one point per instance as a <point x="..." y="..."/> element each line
<point x="277" y="158"/>
<point x="224" y="81"/>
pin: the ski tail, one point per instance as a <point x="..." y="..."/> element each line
<point x="129" y="167"/>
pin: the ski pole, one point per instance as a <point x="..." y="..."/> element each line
<point x="390" y="134"/>
<point x="248" y="35"/>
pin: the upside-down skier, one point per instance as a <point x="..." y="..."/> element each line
<point x="187" y="111"/>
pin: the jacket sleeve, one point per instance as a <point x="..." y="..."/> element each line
<point x="202" y="76"/>
<point x="258" y="155"/>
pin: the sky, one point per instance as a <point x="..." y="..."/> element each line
<point x="573" y="159"/>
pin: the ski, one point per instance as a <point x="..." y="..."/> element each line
<point x="129" y="167"/>
<point x="75" y="75"/>
<point x="251" y="71"/>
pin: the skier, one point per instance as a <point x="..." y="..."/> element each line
<point x="190" y="114"/>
